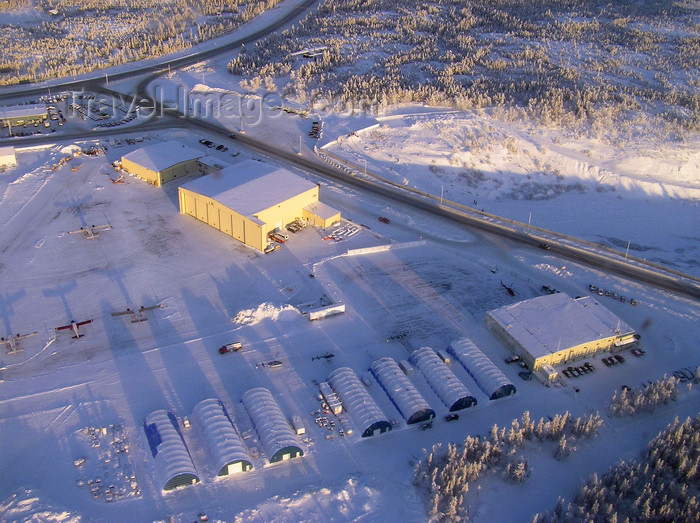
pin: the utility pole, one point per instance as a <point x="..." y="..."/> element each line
<point x="628" y="248"/>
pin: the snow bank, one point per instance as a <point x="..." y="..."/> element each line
<point x="26" y="505"/>
<point x="348" y="501"/>
<point x="267" y="311"/>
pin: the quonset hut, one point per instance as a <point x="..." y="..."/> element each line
<point x="442" y="380"/>
<point x="173" y="460"/>
<point x="366" y="414"/>
<point x="275" y="434"/>
<point x="402" y="393"/>
<point x="487" y="376"/>
<point x="222" y="442"/>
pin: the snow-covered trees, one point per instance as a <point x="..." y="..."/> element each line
<point x="446" y="472"/>
<point x="629" y="402"/>
<point x="663" y="486"/>
<point x="561" y="61"/>
<point x="92" y="34"/>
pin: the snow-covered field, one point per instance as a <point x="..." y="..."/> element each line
<point x="213" y="291"/>
<point x="640" y="187"/>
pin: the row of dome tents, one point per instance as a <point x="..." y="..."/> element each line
<point x="410" y="403"/>
<point x="222" y="442"/>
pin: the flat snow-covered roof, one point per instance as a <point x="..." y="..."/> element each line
<point x="321" y="210"/>
<point x="211" y="161"/>
<point x="250" y="187"/>
<point x="20" y="111"/>
<point x="160" y="156"/>
<point x="554" y="322"/>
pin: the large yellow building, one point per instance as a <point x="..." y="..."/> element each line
<point x="554" y="329"/>
<point x="251" y="199"/>
<point x="162" y="162"/>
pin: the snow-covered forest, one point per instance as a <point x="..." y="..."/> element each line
<point x="558" y="61"/>
<point x="662" y="486"/>
<point x="55" y="38"/>
<point x="445" y="473"/>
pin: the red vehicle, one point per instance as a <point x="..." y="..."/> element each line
<point x="230" y="347"/>
<point x="384" y="219"/>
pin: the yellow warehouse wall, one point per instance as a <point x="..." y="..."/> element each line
<point x="164" y="176"/>
<point x="222" y="218"/>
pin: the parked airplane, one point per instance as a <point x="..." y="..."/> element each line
<point x="12" y="342"/>
<point x="75" y="327"/>
<point x="92" y="231"/>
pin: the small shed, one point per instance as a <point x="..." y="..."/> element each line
<point x="222" y="442"/>
<point x="442" y="380"/>
<point x="485" y="374"/>
<point x="271" y="426"/>
<point x="402" y="393"/>
<point x="365" y="412"/>
<point x="170" y="454"/>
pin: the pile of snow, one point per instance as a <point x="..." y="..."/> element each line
<point x="350" y="501"/>
<point x="26" y="505"/>
<point x="267" y="311"/>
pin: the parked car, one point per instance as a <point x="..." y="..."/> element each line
<point x="271" y="248"/>
<point x="427" y="425"/>
<point x="544" y="246"/>
<point x="384" y="219"/>
<point x="619" y="358"/>
<point x="451" y="417"/>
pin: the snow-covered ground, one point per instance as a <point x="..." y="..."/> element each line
<point x="214" y="291"/>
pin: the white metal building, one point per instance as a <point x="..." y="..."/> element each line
<point x="7" y="156"/>
<point x="276" y="436"/>
<point x="19" y="115"/>
<point x="448" y="387"/>
<point x="485" y="374"/>
<point x="365" y="412"/>
<point x="555" y="329"/>
<point x="402" y="393"/>
<point x="173" y="461"/>
<point x="222" y="441"/>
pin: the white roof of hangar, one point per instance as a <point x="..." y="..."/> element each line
<point x="161" y="156"/>
<point x="250" y="187"/>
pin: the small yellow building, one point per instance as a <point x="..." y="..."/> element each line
<point x="251" y="199"/>
<point x="162" y="162"/>
<point x="555" y="329"/>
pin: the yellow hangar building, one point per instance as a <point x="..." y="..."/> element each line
<point x="249" y="200"/>
<point x="554" y="329"/>
<point x="162" y="162"/>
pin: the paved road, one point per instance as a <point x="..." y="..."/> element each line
<point x="605" y="259"/>
<point x="91" y="82"/>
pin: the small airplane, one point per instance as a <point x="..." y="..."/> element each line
<point x="75" y="327"/>
<point x="138" y="315"/>
<point x="12" y="342"/>
<point x="91" y="232"/>
<point x="509" y="289"/>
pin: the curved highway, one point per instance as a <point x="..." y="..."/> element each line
<point x="96" y="79"/>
